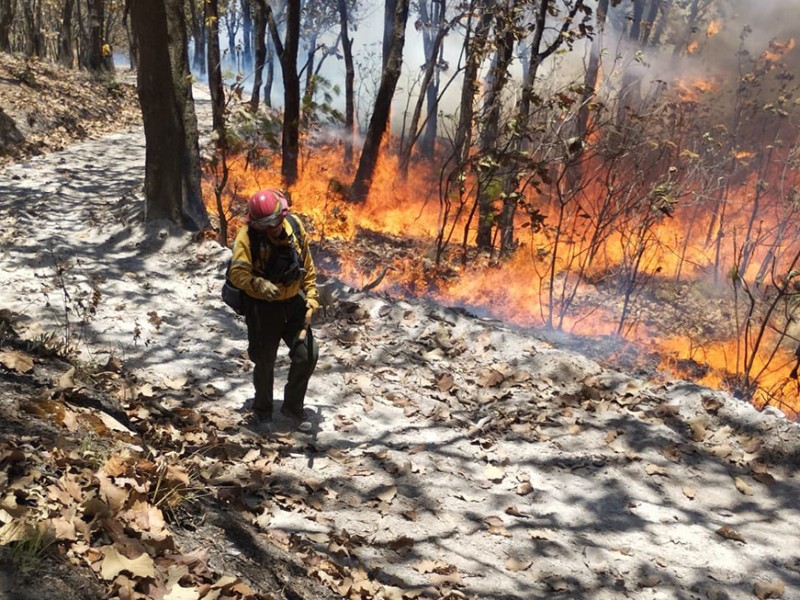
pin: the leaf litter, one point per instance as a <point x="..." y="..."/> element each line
<point x="432" y="423"/>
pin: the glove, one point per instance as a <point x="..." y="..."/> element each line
<point x="312" y="304"/>
<point x="265" y="288"/>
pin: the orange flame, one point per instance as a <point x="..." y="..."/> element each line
<point x="521" y="289"/>
<point x="777" y="50"/>
<point x="692" y="90"/>
<point x="714" y="27"/>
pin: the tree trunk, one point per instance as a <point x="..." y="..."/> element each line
<point x="7" y="9"/>
<point x="133" y="50"/>
<point x="488" y="185"/>
<point x="219" y="164"/>
<point x="389" y="11"/>
<point x="630" y="98"/>
<point x="592" y="71"/>
<point x="247" y="35"/>
<point x="33" y="39"/>
<point x="432" y="45"/>
<point x="383" y="103"/>
<point x="270" y="73"/>
<point x="652" y="15"/>
<point x="232" y="24"/>
<point x="65" y="51"/>
<point x="308" y="92"/>
<point x="215" y="85"/>
<point x="427" y="144"/>
<point x="96" y="15"/>
<point x="287" y="54"/>
<point x="261" y="51"/>
<point x="172" y="163"/>
<point x="349" y="87"/>
<point x="476" y="52"/>
<point x="199" y="35"/>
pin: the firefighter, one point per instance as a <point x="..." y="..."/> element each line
<point x="272" y="265"/>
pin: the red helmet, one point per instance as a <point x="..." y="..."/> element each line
<point x="267" y="209"/>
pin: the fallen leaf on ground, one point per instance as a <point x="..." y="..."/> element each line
<point x="743" y="486"/>
<point x="698" y="426"/>
<point x="557" y="584"/>
<point x="386" y="494"/>
<point x="495" y="474"/>
<point x="652" y="469"/>
<point x="401" y="545"/>
<point x="769" y="589"/>
<point x="649" y="582"/>
<point x="16" y="361"/>
<point x="730" y="534"/>
<point x="514" y="565"/>
<point x="689" y="492"/>
<point x="524" y="488"/>
<point x="114" y="563"/>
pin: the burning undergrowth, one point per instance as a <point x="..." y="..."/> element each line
<point x="671" y="238"/>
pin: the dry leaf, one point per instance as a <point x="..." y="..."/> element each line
<point x="494" y="473"/>
<point x="490" y="378"/>
<point x="401" y="545"/>
<point x="699" y="431"/>
<point x="16" y="361"/>
<point x="386" y="494"/>
<point x="445" y="382"/>
<point x="689" y="492"/>
<point x="557" y="584"/>
<point x="711" y="405"/>
<point x="764" y="478"/>
<point x="730" y="534"/>
<point x="672" y="452"/>
<point x="182" y="593"/>
<point x="426" y="566"/>
<point x="67" y="380"/>
<point x="514" y="565"/>
<point x="174" y="383"/>
<point x="769" y="589"/>
<point x="435" y="354"/>
<point x="652" y="469"/>
<point x="494" y="521"/>
<point x="114" y="563"/>
<point x="16" y="531"/>
<point x="453" y="578"/>
<point x="524" y="488"/>
<point x="743" y="487"/>
<point x="649" y="582"/>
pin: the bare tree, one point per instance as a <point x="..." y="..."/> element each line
<point x="172" y="162"/>
<point x="349" y="91"/>
<point x="260" y="31"/>
<point x="287" y="54"/>
<point x="380" y="115"/>
<point x="7" y="13"/>
<point x="65" y="49"/>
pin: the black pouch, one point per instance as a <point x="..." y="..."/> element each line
<point x="233" y="297"/>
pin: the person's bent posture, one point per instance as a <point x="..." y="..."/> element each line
<point x="273" y="266"/>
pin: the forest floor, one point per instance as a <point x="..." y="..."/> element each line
<point x="451" y="456"/>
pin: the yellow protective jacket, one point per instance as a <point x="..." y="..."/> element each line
<point x="243" y="272"/>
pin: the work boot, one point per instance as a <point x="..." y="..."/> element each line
<point x="260" y="420"/>
<point x="298" y="418"/>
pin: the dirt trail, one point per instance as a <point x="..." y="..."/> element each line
<point x="448" y="452"/>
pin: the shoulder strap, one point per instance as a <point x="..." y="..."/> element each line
<point x="255" y="247"/>
<point x="297" y="231"/>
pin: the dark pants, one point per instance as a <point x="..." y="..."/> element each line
<point x="267" y="324"/>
